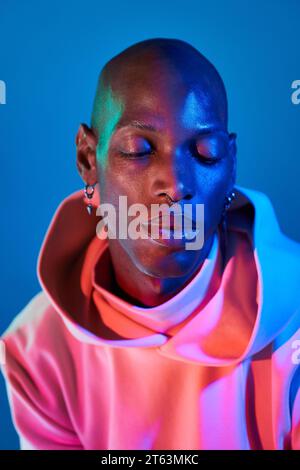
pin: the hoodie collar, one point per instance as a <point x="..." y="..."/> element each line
<point x="172" y="312"/>
<point x="70" y="251"/>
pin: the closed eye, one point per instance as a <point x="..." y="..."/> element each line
<point x="136" y="154"/>
<point x="206" y="158"/>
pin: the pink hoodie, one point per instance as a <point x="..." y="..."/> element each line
<point x="215" y="367"/>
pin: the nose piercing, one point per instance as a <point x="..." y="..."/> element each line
<point x="170" y="199"/>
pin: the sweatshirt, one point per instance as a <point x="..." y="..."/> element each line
<point x="214" y="367"/>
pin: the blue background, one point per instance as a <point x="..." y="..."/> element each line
<point x="50" y="57"/>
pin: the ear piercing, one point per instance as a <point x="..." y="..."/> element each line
<point x="82" y="138"/>
<point x="89" y="192"/>
<point x="229" y="199"/>
<point x="224" y="229"/>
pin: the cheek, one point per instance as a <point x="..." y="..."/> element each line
<point x="213" y="183"/>
<point x="124" y="180"/>
<point x="213" y="187"/>
<point x="115" y="184"/>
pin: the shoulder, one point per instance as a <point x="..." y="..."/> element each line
<point x="31" y="314"/>
<point x="37" y="334"/>
<point x="37" y="369"/>
<point x="38" y="314"/>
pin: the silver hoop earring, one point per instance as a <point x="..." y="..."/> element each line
<point x="89" y="190"/>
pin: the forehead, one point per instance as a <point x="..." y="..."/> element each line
<point x="156" y="109"/>
<point x="161" y="96"/>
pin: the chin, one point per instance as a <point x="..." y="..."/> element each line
<point x="162" y="262"/>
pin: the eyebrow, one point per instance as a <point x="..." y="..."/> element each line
<point x="137" y="124"/>
<point x="204" y="130"/>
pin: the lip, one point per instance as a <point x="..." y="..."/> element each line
<point x="174" y="222"/>
<point x="169" y="230"/>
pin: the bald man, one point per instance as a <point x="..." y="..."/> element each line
<point x="159" y="131"/>
<point x="140" y="343"/>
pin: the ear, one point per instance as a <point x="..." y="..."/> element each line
<point x="86" y="160"/>
<point x="232" y="153"/>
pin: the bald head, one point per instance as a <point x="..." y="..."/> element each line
<point x="147" y="58"/>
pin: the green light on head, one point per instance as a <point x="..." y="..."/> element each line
<point x="107" y="112"/>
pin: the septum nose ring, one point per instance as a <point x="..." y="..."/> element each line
<point x="170" y="199"/>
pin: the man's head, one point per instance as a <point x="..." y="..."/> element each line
<point x="159" y="131"/>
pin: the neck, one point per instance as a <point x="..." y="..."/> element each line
<point x="142" y="289"/>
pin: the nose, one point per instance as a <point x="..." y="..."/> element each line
<point x="173" y="180"/>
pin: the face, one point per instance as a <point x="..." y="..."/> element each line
<point x="163" y="137"/>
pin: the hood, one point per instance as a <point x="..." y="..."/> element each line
<point x="71" y="249"/>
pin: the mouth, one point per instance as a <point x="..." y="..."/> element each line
<point x="169" y="227"/>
